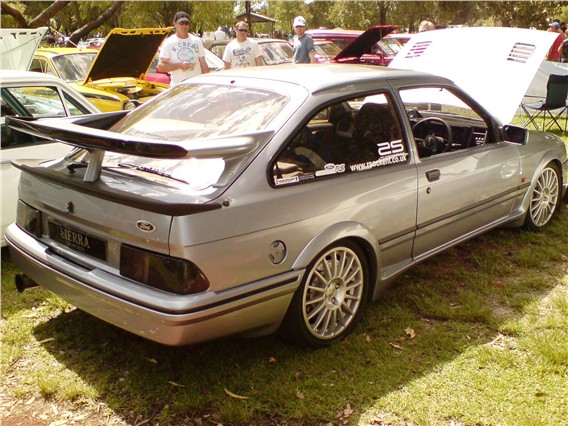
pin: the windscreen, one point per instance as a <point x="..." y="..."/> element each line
<point x="73" y="67"/>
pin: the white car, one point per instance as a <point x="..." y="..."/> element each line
<point x="29" y="94"/>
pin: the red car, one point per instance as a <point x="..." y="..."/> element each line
<point x="357" y="47"/>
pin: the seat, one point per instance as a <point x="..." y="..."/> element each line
<point x="373" y="124"/>
<point x="553" y="106"/>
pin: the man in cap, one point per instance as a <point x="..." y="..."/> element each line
<point x="304" y="50"/>
<point x="182" y="54"/>
<point x="554" y="53"/>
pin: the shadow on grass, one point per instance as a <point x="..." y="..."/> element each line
<point x="452" y="302"/>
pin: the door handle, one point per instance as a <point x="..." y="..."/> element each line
<point x="433" y="175"/>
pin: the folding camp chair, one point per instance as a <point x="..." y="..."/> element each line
<point x="553" y="106"/>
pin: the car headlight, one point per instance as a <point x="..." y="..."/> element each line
<point x="129" y="106"/>
<point x="162" y="272"/>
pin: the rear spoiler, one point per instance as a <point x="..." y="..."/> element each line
<point x="90" y="132"/>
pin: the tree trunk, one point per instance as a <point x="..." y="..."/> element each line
<point x="43" y="18"/>
<point x="89" y="26"/>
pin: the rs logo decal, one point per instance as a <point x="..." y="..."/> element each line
<point x="390" y="148"/>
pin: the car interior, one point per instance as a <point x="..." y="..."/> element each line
<point x="366" y="130"/>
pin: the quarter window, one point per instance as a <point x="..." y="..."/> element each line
<point x="351" y="136"/>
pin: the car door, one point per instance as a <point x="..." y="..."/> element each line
<point x="461" y="192"/>
<point x="466" y="187"/>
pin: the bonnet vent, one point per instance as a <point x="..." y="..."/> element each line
<point x="418" y="49"/>
<point x="521" y="52"/>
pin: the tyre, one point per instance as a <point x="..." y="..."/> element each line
<point x="545" y="198"/>
<point x="330" y="300"/>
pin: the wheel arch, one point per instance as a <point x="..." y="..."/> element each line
<point x="344" y="231"/>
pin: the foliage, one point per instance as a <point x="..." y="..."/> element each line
<point x="71" y="16"/>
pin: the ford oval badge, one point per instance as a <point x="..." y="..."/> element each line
<point x="145" y="226"/>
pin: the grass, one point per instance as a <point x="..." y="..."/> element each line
<point x="476" y="335"/>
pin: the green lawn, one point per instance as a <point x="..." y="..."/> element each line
<point x="477" y="335"/>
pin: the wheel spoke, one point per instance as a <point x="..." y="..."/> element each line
<point x="349" y="268"/>
<point x="323" y="279"/>
<point x="347" y="308"/>
<point x="316" y="311"/>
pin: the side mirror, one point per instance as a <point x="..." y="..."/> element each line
<point x="515" y="134"/>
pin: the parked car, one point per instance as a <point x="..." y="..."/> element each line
<point x="402" y="38"/>
<point x="112" y="77"/>
<point x="325" y="51"/>
<point x="274" y="51"/>
<point x="91" y="43"/>
<point x="26" y="94"/>
<point x="381" y="52"/>
<point x="255" y="200"/>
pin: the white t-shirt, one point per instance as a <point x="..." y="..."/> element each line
<point x="242" y="54"/>
<point x="220" y="35"/>
<point x="179" y="50"/>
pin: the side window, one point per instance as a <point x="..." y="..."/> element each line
<point x="40" y="65"/>
<point x="37" y="101"/>
<point x="441" y="121"/>
<point x="351" y="136"/>
<point x="73" y="106"/>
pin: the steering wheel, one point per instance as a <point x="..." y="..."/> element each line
<point x="432" y="142"/>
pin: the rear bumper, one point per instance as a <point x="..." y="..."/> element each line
<point x="253" y="309"/>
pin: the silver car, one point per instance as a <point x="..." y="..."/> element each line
<point x="258" y="200"/>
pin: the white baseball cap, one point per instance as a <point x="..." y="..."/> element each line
<point x="299" y="21"/>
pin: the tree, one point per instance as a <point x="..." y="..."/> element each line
<point x="76" y="18"/>
<point x="523" y="14"/>
<point x="40" y="20"/>
<point x="86" y="29"/>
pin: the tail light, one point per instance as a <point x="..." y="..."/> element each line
<point x="166" y="273"/>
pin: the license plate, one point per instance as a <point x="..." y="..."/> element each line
<point x="77" y="240"/>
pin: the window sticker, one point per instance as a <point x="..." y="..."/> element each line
<point x="331" y="169"/>
<point x="392" y="152"/>
<point x="286" y="180"/>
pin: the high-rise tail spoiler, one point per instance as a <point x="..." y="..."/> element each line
<point x="90" y="132"/>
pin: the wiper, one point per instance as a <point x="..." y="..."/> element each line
<point x="152" y="170"/>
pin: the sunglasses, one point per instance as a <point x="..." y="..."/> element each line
<point x="183" y="23"/>
<point x="242" y="30"/>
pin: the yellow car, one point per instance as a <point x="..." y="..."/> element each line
<point x="111" y="78"/>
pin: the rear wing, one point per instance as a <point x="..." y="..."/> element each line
<point x="90" y="132"/>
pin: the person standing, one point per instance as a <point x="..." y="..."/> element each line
<point x="220" y="34"/>
<point x="553" y="53"/>
<point x="243" y="51"/>
<point x="304" y="50"/>
<point x="182" y="54"/>
<point x="426" y="25"/>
